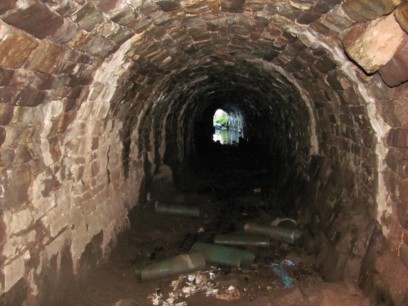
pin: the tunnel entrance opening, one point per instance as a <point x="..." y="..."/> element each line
<point x="228" y="127"/>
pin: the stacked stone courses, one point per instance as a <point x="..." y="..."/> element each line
<point x="94" y="94"/>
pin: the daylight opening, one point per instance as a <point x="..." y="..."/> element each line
<point x="228" y="127"/>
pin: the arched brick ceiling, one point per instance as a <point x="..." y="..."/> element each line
<point x="95" y="94"/>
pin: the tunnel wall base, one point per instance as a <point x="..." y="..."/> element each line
<point x="383" y="275"/>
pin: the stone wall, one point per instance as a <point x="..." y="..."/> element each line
<point x="96" y="95"/>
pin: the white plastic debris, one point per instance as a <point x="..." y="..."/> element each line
<point x="187" y="285"/>
<point x="188" y="290"/>
<point x="231" y="289"/>
<point x="212" y="292"/>
<point x="156" y="298"/>
<point x="200" y="279"/>
<point x="231" y="294"/>
<point x="289" y="262"/>
<point x="176" y="283"/>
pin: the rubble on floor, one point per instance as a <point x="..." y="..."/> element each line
<point x="186" y="286"/>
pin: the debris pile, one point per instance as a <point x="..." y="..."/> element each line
<point x="230" y="249"/>
<point x="187" y="285"/>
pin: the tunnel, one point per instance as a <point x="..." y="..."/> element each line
<point x="107" y="106"/>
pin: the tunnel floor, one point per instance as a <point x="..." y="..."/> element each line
<point x="283" y="274"/>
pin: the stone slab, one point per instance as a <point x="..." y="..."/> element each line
<point x="372" y="44"/>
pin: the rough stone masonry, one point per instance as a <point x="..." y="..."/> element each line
<point x="95" y="95"/>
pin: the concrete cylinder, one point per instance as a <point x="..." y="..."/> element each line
<point x="243" y="240"/>
<point x="185" y="263"/>
<point x="274" y="232"/>
<point x="176" y="209"/>
<point x="223" y="255"/>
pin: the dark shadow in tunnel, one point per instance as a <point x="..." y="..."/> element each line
<point x="264" y="160"/>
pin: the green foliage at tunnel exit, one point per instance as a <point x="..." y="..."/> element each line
<point x="220" y="118"/>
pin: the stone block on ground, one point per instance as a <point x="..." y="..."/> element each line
<point x="163" y="188"/>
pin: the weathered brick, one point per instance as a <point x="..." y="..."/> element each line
<point x="364" y="10"/>
<point x="35" y="19"/>
<point x="168" y="5"/>
<point x="401" y="15"/>
<point x="398" y="162"/>
<point x="7" y="94"/>
<point x="396" y="70"/>
<point x="22" y="154"/>
<point x="98" y="46"/>
<point x="232" y="5"/>
<point x="5" y="76"/>
<point x="6" y="156"/>
<point x="6" y="5"/>
<point x="404" y="255"/>
<point x="398" y="138"/>
<point x="6" y="113"/>
<point x="65" y="33"/>
<point x="403" y="194"/>
<point x="47" y="58"/>
<point x="126" y="17"/>
<point x="121" y="35"/>
<point x="323" y="6"/>
<point x="79" y="41"/>
<point x="29" y="96"/>
<point x="374" y="43"/>
<point x="16" y="182"/>
<point x="309" y="16"/>
<point x="2" y="135"/>
<point x="88" y="17"/>
<point x="107" y="5"/>
<point x="15" y="48"/>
